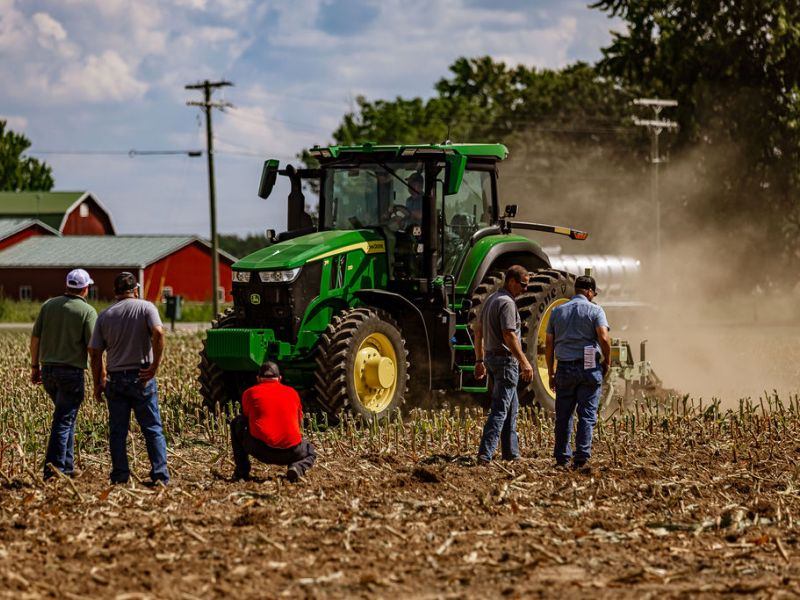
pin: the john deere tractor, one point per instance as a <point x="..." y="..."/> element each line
<point x="371" y="307"/>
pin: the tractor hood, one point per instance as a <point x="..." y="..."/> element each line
<point x="298" y="251"/>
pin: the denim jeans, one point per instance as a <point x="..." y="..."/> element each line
<point x="65" y="386"/>
<point x="125" y="392"/>
<point x="302" y="456"/>
<point x="502" y="421"/>
<point x="576" y="388"/>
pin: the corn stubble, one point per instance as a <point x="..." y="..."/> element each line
<point x="682" y="498"/>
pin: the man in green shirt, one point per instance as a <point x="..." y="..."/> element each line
<point x="59" y="341"/>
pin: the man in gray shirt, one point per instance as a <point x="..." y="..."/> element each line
<point x="498" y="349"/>
<point x="131" y="333"/>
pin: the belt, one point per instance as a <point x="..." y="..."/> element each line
<point x="125" y="372"/>
<point x="499" y="352"/>
<point x="570" y="362"/>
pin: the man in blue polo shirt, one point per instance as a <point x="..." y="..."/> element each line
<point x="577" y="337"/>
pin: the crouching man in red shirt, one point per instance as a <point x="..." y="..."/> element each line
<point x="270" y="427"/>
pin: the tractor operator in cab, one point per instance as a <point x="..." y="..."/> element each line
<point x="577" y="337"/>
<point x="270" y="427"/>
<point x="498" y="350"/>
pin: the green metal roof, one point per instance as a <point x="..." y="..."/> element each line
<point x="9" y="227"/>
<point x="48" y="207"/>
<point x="95" y="251"/>
<point x="498" y="151"/>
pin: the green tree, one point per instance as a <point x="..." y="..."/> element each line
<point x="574" y="151"/>
<point x="734" y="67"/>
<point x="17" y="172"/>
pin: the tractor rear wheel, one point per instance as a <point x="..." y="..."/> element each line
<point x="547" y="289"/>
<point x="362" y="364"/>
<point x="215" y="387"/>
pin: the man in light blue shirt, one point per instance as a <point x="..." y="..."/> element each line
<point x="577" y="337"/>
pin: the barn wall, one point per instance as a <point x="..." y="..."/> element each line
<point x="95" y="223"/>
<point x="46" y="283"/>
<point x="188" y="273"/>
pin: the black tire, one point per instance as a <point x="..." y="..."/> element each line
<point x="547" y="288"/>
<point x="216" y="387"/>
<point x="349" y="338"/>
<point x="491" y="282"/>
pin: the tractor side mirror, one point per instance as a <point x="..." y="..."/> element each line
<point x="269" y="174"/>
<point x="454" y="173"/>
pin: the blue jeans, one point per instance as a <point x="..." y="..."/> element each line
<point x="576" y="388"/>
<point x="502" y="421"/>
<point x="124" y="392"/>
<point x="65" y="386"/>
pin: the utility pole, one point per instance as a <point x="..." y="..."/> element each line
<point x="656" y="125"/>
<point x="207" y="87"/>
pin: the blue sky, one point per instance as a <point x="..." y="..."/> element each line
<point x="109" y="75"/>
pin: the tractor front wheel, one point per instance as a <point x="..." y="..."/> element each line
<point x="362" y="364"/>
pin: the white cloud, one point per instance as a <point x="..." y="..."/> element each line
<point x="49" y="27"/>
<point x="99" y="78"/>
<point x="193" y="4"/>
<point x="215" y="35"/>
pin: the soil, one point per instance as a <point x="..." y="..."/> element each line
<point x="694" y="522"/>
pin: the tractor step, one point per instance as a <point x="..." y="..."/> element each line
<point x="475" y="389"/>
<point x="463" y="347"/>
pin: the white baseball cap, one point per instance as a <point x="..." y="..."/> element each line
<point x="78" y="279"/>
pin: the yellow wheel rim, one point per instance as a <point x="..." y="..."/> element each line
<point x="375" y="372"/>
<point x="541" y="338"/>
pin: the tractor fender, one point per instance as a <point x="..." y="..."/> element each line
<point x="504" y="254"/>
<point x="407" y="313"/>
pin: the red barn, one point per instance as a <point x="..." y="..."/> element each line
<point x="36" y="268"/>
<point x="13" y="231"/>
<point x="71" y="213"/>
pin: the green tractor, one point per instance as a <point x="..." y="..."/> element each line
<point x="372" y="306"/>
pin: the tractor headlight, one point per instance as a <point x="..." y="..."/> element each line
<point x="286" y="276"/>
<point x="241" y="276"/>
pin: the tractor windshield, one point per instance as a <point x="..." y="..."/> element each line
<point x="374" y="195"/>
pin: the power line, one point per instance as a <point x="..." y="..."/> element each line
<point x="130" y="153"/>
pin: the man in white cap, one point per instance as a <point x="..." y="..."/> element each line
<point x="59" y="355"/>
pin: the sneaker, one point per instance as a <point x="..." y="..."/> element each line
<point x="293" y="474"/>
<point x="483" y="462"/>
<point x="560" y="465"/>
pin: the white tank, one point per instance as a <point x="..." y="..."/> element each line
<point x="618" y="277"/>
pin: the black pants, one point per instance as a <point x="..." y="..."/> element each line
<point x="301" y="457"/>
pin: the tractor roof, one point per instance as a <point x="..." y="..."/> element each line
<point x="495" y="151"/>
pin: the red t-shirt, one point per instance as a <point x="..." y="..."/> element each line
<point x="274" y="414"/>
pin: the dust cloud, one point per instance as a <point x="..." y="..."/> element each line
<point x="722" y="320"/>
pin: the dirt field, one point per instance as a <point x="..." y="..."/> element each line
<point x="681" y="523"/>
<point x="682" y="501"/>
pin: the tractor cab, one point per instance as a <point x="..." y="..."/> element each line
<point x="425" y="201"/>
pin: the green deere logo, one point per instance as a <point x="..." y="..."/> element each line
<point x="255" y="299"/>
